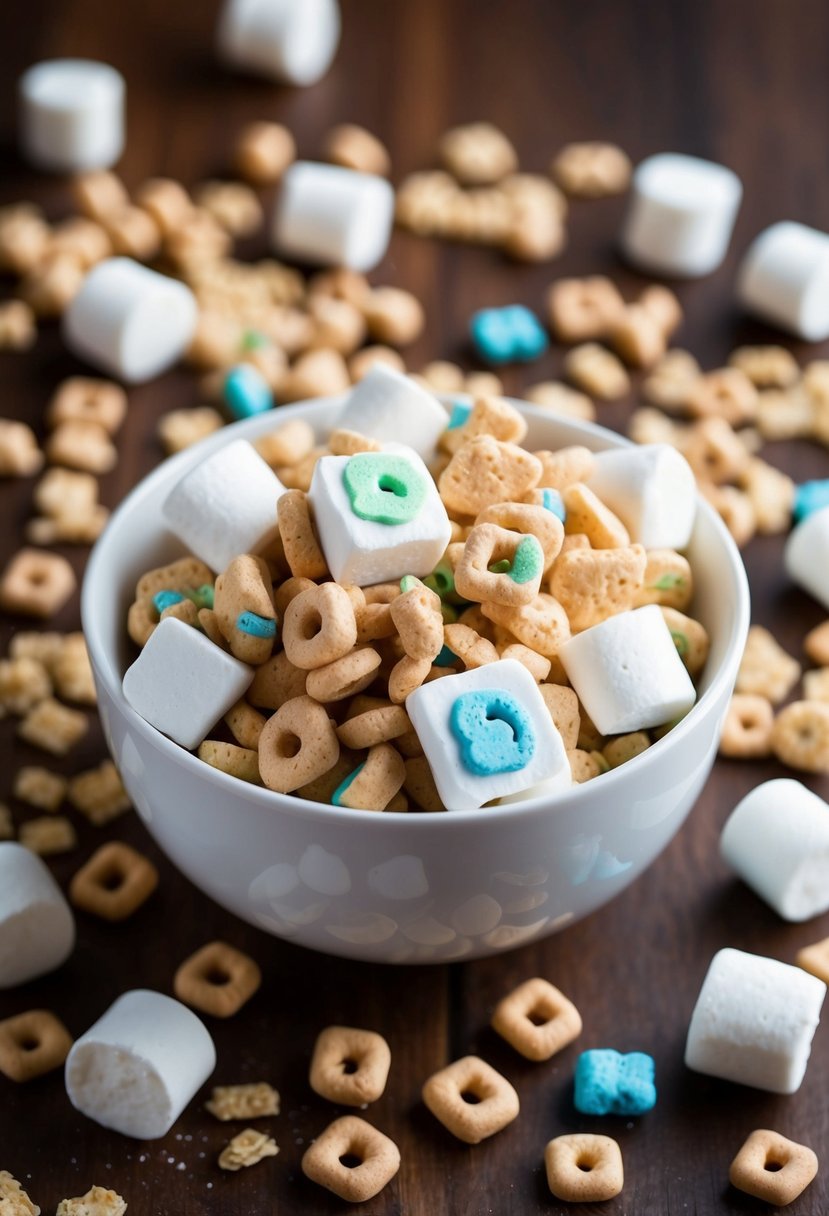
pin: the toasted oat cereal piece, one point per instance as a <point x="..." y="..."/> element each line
<point x="668" y="580"/>
<point x="71" y="671"/>
<point x="342" y="442"/>
<point x="349" y="1066"/>
<point x="596" y="370"/>
<point x="24" y="683"/>
<point x="483" y="384"/>
<point x="245" y="723"/>
<point x="394" y="317"/>
<point x="99" y="794"/>
<point x="81" y="238"/>
<point x="299" y="540"/>
<point x="53" y="727"/>
<point x="372" y="785"/>
<point x="39" y="787"/>
<point x="800" y="736"/>
<point x="51" y="285"/>
<point x="68" y="529"/>
<point x="592" y="584"/>
<point x="24" y="237"/>
<point x="565" y="467"/>
<point x="771" y="493"/>
<point x="489" y="416"/>
<point x="114" y="882"/>
<point x="561" y="399"/>
<point x="344" y="677"/>
<point x="134" y="233"/>
<point x="420" y="784"/>
<point x="88" y="399"/>
<point x="407" y="675"/>
<point x="14" y="1200"/>
<point x="714" y="452"/>
<point x="342" y="326"/>
<point x="62" y="492"/>
<point x="178" y="429"/>
<point x="97" y="1201"/>
<point x="375" y="724"/>
<point x="477" y="154"/>
<point x="670" y="380"/>
<point x="736" y="510"/>
<point x="495" y="1102"/>
<point x="480" y="574"/>
<point x="581" y="310"/>
<point x="766" y="669"/>
<point x="288" y="444"/>
<point x="536" y="664"/>
<point x="815" y="959"/>
<point x="584" y="1168"/>
<point x="746" y="731"/>
<point x="32" y="1044"/>
<point x="263" y="152"/>
<point x="727" y="393"/>
<point x="537" y="1019"/>
<point x="485" y="471"/>
<point x="81" y="445"/>
<point x="352" y="1159"/>
<point x="276" y="682"/>
<point x="18" y="329"/>
<point x="816" y="685"/>
<point x="766" y="366"/>
<point x="43" y="646"/>
<point x="217" y="979"/>
<point x="584" y="765"/>
<point x="99" y="193"/>
<point x="6" y="823"/>
<point x="241" y="762"/>
<point x="248" y="1148"/>
<point x="232" y="204"/>
<point x="587" y="514"/>
<point x="541" y="625"/>
<point x="354" y="147"/>
<point x="19" y="454"/>
<point x="255" y="1100"/>
<point x="785" y="414"/>
<point x="563" y="706"/>
<point x="283" y="766"/>
<point x="638" y="336"/>
<point x="690" y="638"/>
<point x="592" y="169"/>
<point x="626" y="747"/>
<point x="362" y="361"/>
<point x="49" y="835"/>
<point x="772" y="1168"/>
<point x="816" y="644"/>
<point x="36" y="584"/>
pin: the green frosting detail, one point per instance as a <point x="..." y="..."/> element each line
<point x="501" y="567"/>
<point x="667" y="582"/>
<point x="528" y="561"/>
<point x="384" y="488"/>
<point x="408" y="583"/>
<point x="680" y="641"/>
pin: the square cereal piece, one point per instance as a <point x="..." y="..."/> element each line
<point x="53" y="727"/>
<point x="253" y="1101"/>
<point x="85" y="399"/>
<point x="217" y="979"/>
<point x="816" y="685"/>
<point x="19" y="454"/>
<point x="63" y="492"/>
<point x="6" y="823"/>
<point x="349" y="1066"/>
<point x="537" y="1020"/>
<point x="815" y="959"/>
<point x="114" y="883"/>
<point x="471" y="1099"/>
<point x="31" y="1044"/>
<point x="96" y="1202"/>
<point x="36" y="584"/>
<point x="24" y="683"/>
<point x="98" y="794"/>
<point x="181" y="428"/>
<point x="82" y="445"/>
<point x="352" y="1159"/>
<point x="13" y="1199"/>
<point x="772" y="1168"/>
<point x="42" y="645"/>
<point x="39" y="787"/>
<point x="765" y="668"/>
<point x="584" y="1168"/>
<point x="49" y="835"/>
<point x="249" y="1147"/>
<point x="71" y="671"/>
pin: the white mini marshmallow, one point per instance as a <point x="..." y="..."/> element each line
<point x="225" y="506"/>
<point x="72" y="115"/>
<point x="333" y="216"/>
<point x="463" y="787"/>
<point x="680" y="215"/>
<point x="364" y="551"/>
<point x="136" y="1069"/>
<point x="390" y="407"/>
<point x="653" y="491"/>
<point x="37" y="929"/>
<point x="777" y="839"/>
<point x="130" y="321"/>
<point x="784" y="279"/>
<point x="754" y="1021"/>
<point x="288" y="40"/>
<point x="182" y="683"/>
<point x="806" y="555"/>
<point x="627" y="672"/>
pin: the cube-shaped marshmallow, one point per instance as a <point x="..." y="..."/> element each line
<point x="487" y="733"/>
<point x="627" y="672"/>
<point x="653" y="491"/>
<point x="753" y="1021"/>
<point x="392" y="408"/>
<point x="784" y="278"/>
<point x="379" y="516"/>
<point x="806" y="555"/>
<point x="37" y="929"/>
<point x="182" y="683"/>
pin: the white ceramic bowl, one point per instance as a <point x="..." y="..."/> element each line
<point x="403" y="887"/>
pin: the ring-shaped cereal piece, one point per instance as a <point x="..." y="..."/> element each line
<point x="32" y="1044"/>
<point x="349" y="1066"/>
<point x="488" y="546"/>
<point x="529" y="519"/>
<point x="746" y="731"/>
<point x="319" y="626"/>
<point x="244" y="609"/>
<point x="407" y="675"/>
<point x="114" y="882"/>
<point x="377" y="725"/>
<point x="469" y="646"/>
<point x="217" y="979"/>
<point x="494" y="1102"/>
<point x="298" y="744"/>
<point x="299" y="540"/>
<point x="417" y="616"/>
<point x="330" y="1159"/>
<point x="584" y="1168"/>
<point x="344" y="677"/>
<point x="374" y="783"/>
<point x="800" y="736"/>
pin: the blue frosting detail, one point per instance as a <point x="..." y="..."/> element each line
<point x="460" y="412"/>
<point x="446" y="658"/>
<point x="609" y="1083"/>
<point x="256" y="626"/>
<point x="336" y="797"/>
<point x="246" y="391"/>
<point x="551" y="500"/>
<point x="166" y="599"/>
<point x="810" y="497"/>
<point x="494" y="733"/>
<point x="508" y="335"/>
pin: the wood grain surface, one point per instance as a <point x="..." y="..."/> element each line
<point x="743" y="82"/>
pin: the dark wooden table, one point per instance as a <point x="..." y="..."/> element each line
<point x="744" y="83"/>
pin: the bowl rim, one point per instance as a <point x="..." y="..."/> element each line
<point x="104" y="665"/>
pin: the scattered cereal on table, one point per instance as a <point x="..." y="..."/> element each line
<point x="248" y="1148"/>
<point x="251" y="1101"/>
<point x="32" y="1044"/>
<point x="50" y="835"/>
<point x="98" y="1201"/>
<point x="40" y="787"/>
<point x="53" y="727"/>
<point x="14" y="1199"/>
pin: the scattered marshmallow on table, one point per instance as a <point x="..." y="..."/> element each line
<point x="680" y="214"/>
<point x="289" y="40"/>
<point x="72" y="115"/>
<point x="333" y="216"/>
<point x="652" y="489"/>
<point x="486" y="733"/>
<point x="784" y="279"/>
<point x="627" y="672"/>
<point x="777" y="839"/>
<point x="806" y="555"/>
<point x="754" y="1021"/>
<point x="136" y="1069"/>
<point x="390" y="407"/>
<point x="130" y="321"/>
<point x="378" y="515"/>
<point x="182" y="683"/>
<point x="37" y="929"/>
<point x="225" y="506"/>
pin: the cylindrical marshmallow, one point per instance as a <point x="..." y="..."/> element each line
<point x="680" y="215"/>
<point x="225" y="506"/>
<point x="136" y="1069"/>
<point x="784" y="279"/>
<point x="37" y="929"/>
<point x="653" y="491"/>
<point x="754" y="1021"/>
<point x="390" y="407"/>
<point x="806" y="555"/>
<point x="289" y="40"/>
<point x="130" y="321"/>
<point x="627" y="672"/>
<point x="777" y="839"/>
<point x="333" y="216"/>
<point x="72" y="115"/>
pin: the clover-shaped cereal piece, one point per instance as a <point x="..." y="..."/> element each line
<point x="772" y="1168"/>
<point x="471" y="1099"/>
<point x="244" y="609"/>
<point x="31" y="1044"/>
<point x="484" y="471"/>
<point x="584" y="1168"/>
<point x="217" y="979"/>
<point x="352" y="1159"/>
<point x="536" y="1019"/>
<point x="349" y="1066"/>
<point x="593" y="584"/>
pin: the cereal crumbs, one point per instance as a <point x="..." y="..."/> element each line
<point x="246" y="1149"/>
<point x="253" y="1101"/>
<point x="96" y="1202"/>
<point x="13" y="1199"/>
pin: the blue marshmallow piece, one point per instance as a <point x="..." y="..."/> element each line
<point x="460" y="412"/>
<point x="610" y="1083"/>
<point x="810" y="497"/>
<point x="165" y="599"/>
<point x="508" y="335"/>
<point x="256" y="626"/>
<point x="552" y="501"/>
<point x="246" y="392"/>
